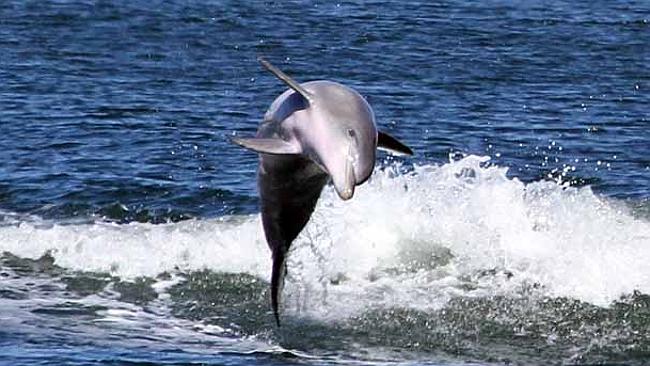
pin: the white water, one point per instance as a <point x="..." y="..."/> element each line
<point x="413" y="240"/>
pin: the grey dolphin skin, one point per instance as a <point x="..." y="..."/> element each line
<point x="312" y="133"/>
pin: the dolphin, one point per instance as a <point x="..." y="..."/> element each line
<point x="312" y="133"/>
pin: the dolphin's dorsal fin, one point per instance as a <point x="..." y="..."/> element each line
<point x="286" y="79"/>
<point x="267" y="145"/>
<point x="392" y="145"/>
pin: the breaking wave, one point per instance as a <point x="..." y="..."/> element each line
<point x="413" y="239"/>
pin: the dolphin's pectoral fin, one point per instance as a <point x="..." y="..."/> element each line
<point x="392" y="145"/>
<point x="277" y="282"/>
<point x="267" y="145"/>
<point x="287" y="80"/>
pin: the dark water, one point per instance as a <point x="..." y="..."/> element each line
<point x="129" y="223"/>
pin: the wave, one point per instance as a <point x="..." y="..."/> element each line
<point x="411" y="239"/>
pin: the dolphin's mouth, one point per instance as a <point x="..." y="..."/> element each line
<point x="346" y="193"/>
<point x="345" y="187"/>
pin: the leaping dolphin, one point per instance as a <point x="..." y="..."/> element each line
<point x="311" y="133"/>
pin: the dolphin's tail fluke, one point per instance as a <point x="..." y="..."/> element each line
<point x="277" y="282"/>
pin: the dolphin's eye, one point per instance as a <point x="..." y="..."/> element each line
<point x="351" y="132"/>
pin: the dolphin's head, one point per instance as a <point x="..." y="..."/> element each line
<point x="343" y="135"/>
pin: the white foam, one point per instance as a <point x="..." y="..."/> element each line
<point x="413" y="239"/>
<point x="232" y="244"/>
<point x="567" y="241"/>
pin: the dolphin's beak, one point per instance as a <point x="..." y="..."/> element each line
<point x="345" y="193"/>
<point x="345" y="184"/>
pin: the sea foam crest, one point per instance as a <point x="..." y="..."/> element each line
<point x="406" y="239"/>
<point x="229" y="244"/>
<point x="465" y="228"/>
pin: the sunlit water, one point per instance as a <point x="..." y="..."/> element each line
<point x="519" y="233"/>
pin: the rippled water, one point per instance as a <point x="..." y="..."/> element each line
<point x="519" y="233"/>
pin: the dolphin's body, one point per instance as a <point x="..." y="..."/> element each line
<point x="313" y="132"/>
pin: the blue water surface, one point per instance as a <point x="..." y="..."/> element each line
<point x="121" y="111"/>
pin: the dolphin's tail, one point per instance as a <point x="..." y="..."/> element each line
<point x="277" y="281"/>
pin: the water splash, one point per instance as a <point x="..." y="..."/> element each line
<point x="413" y="240"/>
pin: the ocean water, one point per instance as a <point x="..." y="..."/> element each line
<point x="519" y="233"/>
